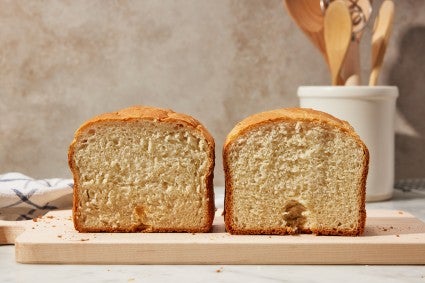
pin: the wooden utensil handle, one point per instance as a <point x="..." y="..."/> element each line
<point x="351" y="69"/>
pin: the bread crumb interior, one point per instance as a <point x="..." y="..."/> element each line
<point x="143" y="175"/>
<point x="296" y="175"/>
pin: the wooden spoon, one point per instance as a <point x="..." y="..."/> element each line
<point x="337" y="32"/>
<point x="308" y="15"/>
<point x="380" y="37"/>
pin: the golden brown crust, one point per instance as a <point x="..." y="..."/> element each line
<point x="288" y="115"/>
<point x="134" y="114"/>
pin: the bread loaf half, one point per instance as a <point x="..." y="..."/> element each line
<point x="295" y="171"/>
<point x="142" y="169"/>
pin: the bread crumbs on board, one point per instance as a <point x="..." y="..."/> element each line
<point x="385" y="229"/>
<point x="35" y="219"/>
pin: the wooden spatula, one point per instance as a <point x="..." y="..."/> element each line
<point x="380" y="37"/>
<point x="337" y="31"/>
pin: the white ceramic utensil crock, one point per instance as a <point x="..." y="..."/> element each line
<point x="371" y="112"/>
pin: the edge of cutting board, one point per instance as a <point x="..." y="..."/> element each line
<point x="391" y="237"/>
<point x="10" y="230"/>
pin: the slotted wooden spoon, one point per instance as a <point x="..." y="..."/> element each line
<point x="380" y="38"/>
<point x="337" y="32"/>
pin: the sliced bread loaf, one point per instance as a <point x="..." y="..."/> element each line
<point x="142" y="169"/>
<point x="294" y="171"/>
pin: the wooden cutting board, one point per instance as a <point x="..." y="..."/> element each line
<point x="391" y="237"/>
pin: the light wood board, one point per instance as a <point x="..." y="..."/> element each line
<point x="391" y="237"/>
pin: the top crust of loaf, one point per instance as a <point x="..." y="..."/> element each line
<point x="137" y="113"/>
<point x="287" y="115"/>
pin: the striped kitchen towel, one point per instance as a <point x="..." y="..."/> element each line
<point x="23" y="198"/>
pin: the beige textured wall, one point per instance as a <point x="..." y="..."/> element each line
<point x="61" y="62"/>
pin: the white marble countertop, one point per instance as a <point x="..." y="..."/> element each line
<point x="10" y="271"/>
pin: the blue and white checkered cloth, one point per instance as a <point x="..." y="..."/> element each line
<point x="23" y="198"/>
